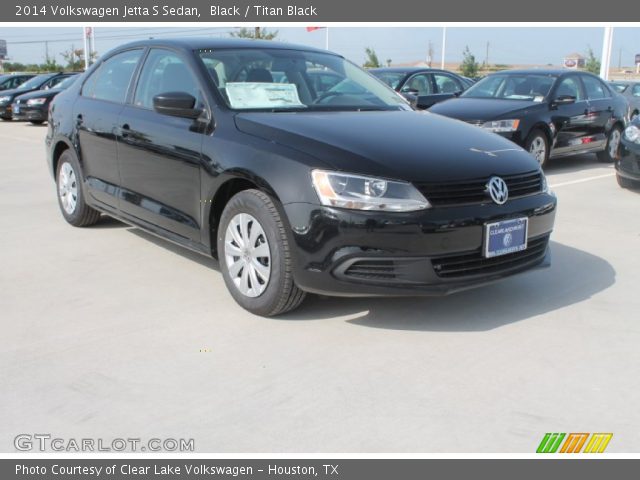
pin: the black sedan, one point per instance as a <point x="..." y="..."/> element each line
<point x="631" y="91"/>
<point x="427" y="85"/>
<point x="628" y="163"/>
<point x="39" y="82"/>
<point x="347" y="192"/>
<point x="14" y="80"/>
<point x="34" y="106"/>
<point x="551" y="113"/>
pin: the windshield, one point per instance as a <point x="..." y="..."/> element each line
<point x="512" y="87"/>
<point x="390" y="78"/>
<point x="35" y="82"/>
<point x="284" y="80"/>
<point x="619" y="87"/>
<point x="66" y="83"/>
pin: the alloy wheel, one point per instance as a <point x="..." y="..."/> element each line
<point x="538" y="149"/>
<point x="68" y="188"/>
<point x="247" y="255"/>
<point x="614" y="143"/>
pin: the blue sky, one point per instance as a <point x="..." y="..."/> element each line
<point x="508" y="45"/>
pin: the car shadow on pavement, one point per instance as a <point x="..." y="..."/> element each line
<point x="573" y="277"/>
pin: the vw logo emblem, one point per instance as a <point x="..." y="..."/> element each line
<point x="507" y="240"/>
<point x="498" y="190"/>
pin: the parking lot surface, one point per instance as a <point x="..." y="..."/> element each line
<point x="110" y="332"/>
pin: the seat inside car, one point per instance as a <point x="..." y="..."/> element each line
<point x="260" y="75"/>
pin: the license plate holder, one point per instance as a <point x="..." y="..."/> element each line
<point x="505" y="237"/>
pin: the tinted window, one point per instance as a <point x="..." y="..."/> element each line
<point x="446" y="83"/>
<point x="390" y="78"/>
<point x="595" y="88"/>
<point x="54" y="82"/>
<point x="515" y="86"/>
<point x="421" y="83"/>
<point x="619" y="87"/>
<point x="35" y="82"/>
<point x="164" y="72"/>
<point x="111" y="79"/>
<point x="636" y="90"/>
<point x="570" y="87"/>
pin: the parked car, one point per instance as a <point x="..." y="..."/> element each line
<point x="14" y="80"/>
<point x="34" y="106"/>
<point x="628" y="163"/>
<point x="39" y="82"/>
<point x="428" y="85"/>
<point x="551" y="113"/>
<point x="293" y="191"/>
<point x="630" y="91"/>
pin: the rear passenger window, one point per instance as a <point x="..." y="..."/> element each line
<point x="111" y="80"/>
<point x="164" y="72"/>
<point x="636" y="90"/>
<point x="594" y="87"/>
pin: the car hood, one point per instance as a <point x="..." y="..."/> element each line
<point x="406" y="145"/>
<point x="39" y="94"/>
<point x="14" y="92"/>
<point x="483" y="108"/>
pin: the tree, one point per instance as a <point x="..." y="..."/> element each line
<point x="469" y="66"/>
<point x="592" y="64"/>
<point x="372" y="59"/>
<point x="50" y="65"/>
<point x="256" y="33"/>
<point x="75" y="59"/>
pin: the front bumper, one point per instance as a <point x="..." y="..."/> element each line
<point x="5" y="111"/>
<point x="628" y="163"/>
<point x="433" y="252"/>
<point x="34" y="114"/>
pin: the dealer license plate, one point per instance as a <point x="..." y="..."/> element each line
<point x="505" y="237"/>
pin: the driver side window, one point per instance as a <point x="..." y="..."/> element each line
<point x="421" y="83"/>
<point x="570" y="86"/>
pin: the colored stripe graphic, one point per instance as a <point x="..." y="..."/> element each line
<point x="598" y="443"/>
<point x="574" y="443"/>
<point x="550" y="442"/>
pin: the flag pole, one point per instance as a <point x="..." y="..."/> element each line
<point x="444" y="45"/>
<point x="326" y="38"/>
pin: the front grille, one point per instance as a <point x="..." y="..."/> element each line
<point x="474" y="191"/>
<point x="372" y="269"/>
<point x="475" y="264"/>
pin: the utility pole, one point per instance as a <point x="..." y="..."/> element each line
<point x="444" y="45"/>
<point x="486" y="58"/>
<point x="620" y="59"/>
<point x="430" y="54"/>
<point x="257" y="32"/>
<point x="46" y="51"/>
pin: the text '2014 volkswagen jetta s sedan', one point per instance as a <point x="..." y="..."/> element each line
<point x="345" y="192"/>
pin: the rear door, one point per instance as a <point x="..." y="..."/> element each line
<point x="421" y="85"/>
<point x="159" y="155"/>
<point x="445" y="86"/>
<point x="96" y="114"/>
<point x="601" y="111"/>
<point x="571" y="121"/>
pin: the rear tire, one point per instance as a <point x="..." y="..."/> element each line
<point x="36" y="122"/>
<point x="626" y="183"/>
<point x="255" y="257"/>
<point x="609" y="154"/>
<point x="537" y="145"/>
<point x="70" y="195"/>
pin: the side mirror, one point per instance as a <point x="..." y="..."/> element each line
<point x="176" y="104"/>
<point x="564" y="100"/>
<point x="457" y="93"/>
<point x="410" y="91"/>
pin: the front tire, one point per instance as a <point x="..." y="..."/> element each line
<point x="626" y="183"/>
<point x="70" y="195"/>
<point x="537" y="145"/>
<point x="36" y="122"/>
<point x="254" y="255"/>
<point x="609" y="154"/>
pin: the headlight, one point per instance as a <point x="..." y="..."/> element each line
<point x="632" y="133"/>
<point x="36" y="101"/>
<point x="502" y="125"/>
<point x="366" y="193"/>
<point x="5" y="99"/>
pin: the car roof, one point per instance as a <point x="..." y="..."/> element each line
<point x="203" y="43"/>
<point x="540" y="71"/>
<point x="407" y="69"/>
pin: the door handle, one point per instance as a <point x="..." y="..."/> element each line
<point x="79" y="119"/>
<point x="125" y="130"/>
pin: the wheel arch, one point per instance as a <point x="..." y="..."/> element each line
<point x="61" y="145"/>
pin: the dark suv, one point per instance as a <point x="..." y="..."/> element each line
<point x="551" y="113"/>
<point x="346" y="191"/>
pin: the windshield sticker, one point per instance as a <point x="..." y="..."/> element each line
<point x="245" y="95"/>
<point x="539" y="98"/>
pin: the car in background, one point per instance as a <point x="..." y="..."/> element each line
<point x="427" y="86"/>
<point x="14" y="80"/>
<point x="628" y="162"/>
<point x="34" y="106"/>
<point x="631" y="91"/>
<point x="44" y="81"/>
<point x="551" y="113"/>
<point x="347" y="192"/>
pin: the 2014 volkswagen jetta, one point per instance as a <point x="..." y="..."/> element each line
<point x="342" y="192"/>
